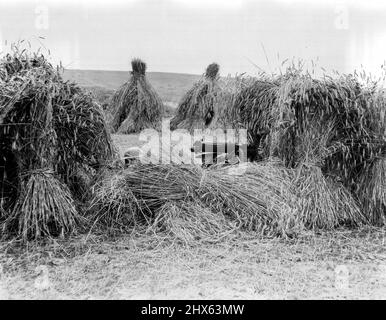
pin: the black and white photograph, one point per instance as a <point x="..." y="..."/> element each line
<point x="219" y="151"/>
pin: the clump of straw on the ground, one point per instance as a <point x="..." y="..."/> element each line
<point x="136" y="105"/>
<point x="224" y="114"/>
<point x="322" y="132"/>
<point x="371" y="189"/>
<point x="264" y="198"/>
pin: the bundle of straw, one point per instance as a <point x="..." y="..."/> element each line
<point x="49" y="128"/>
<point x="323" y="203"/>
<point x="113" y="204"/>
<point x="19" y="61"/>
<point x="266" y="198"/>
<point x="225" y="115"/>
<point x="343" y="102"/>
<point x="44" y="208"/>
<point x="195" y="110"/>
<point x="136" y="105"/>
<point x="372" y="191"/>
<point x="371" y="188"/>
<point x="278" y="110"/>
<point x="84" y="141"/>
<point x="132" y="196"/>
<point x="252" y="108"/>
<point x="332" y="126"/>
<point x="249" y="199"/>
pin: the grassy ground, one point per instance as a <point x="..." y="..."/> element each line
<point x="346" y="265"/>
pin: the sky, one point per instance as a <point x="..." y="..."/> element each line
<point x="184" y="36"/>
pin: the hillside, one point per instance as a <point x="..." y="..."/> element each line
<point x="170" y="86"/>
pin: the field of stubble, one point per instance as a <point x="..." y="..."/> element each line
<point x="344" y="265"/>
